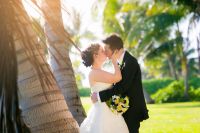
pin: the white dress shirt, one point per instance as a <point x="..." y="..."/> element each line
<point x="121" y="58"/>
<point x="120" y="62"/>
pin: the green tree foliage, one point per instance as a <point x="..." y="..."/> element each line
<point x="146" y="29"/>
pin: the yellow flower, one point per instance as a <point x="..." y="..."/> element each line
<point x="124" y="109"/>
<point x="119" y="107"/>
<point x="118" y="104"/>
<point x="116" y="101"/>
<point x="127" y="100"/>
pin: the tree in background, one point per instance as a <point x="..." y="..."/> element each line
<point x="146" y="28"/>
<point x="194" y="10"/>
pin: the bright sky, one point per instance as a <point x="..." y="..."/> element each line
<point x="184" y="23"/>
<point x="84" y="7"/>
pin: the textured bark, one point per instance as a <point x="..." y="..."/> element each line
<point x="44" y="109"/>
<point x="58" y="49"/>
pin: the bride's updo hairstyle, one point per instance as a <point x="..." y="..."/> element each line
<point x="87" y="54"/>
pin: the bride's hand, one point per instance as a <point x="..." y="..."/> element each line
<point x="120" y="52"/>
<point x="115" y="55"/>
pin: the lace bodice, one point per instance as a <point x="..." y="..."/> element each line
<point x="99" y="86"/>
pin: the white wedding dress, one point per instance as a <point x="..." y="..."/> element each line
<point x="100" y="118"/>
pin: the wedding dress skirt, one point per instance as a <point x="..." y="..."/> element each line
<point x="101" y="119"/>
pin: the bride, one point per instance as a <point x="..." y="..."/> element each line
<point x="100" y="118"/>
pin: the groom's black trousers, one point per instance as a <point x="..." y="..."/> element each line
<point x="134" y="127"/>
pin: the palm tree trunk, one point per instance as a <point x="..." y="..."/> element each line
<point x="147" y="97"/>
<point x="198" y="51"/>
<point x="185" y="75"/>
<point x="184" y="64"/>
<point x="10" y="121"/>
<point x="64" y="74"/>
<point x="43" y="106"/>
<point x="58" y="49"/>
<point x="44" y="109"/>
<point x="172" y="67"/>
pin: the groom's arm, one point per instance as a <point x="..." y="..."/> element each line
<point x="131" y="70"/>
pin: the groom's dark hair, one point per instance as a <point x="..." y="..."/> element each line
<point x="114" y="41"/>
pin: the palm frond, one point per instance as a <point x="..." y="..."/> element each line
<point x="57" y="26"/>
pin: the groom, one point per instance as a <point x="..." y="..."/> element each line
<point x="130" y="85"/>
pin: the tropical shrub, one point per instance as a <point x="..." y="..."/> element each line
<point x="172" y="93"/>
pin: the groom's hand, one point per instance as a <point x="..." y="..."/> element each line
<point x="93" y="97"/>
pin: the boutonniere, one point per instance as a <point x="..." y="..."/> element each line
<point x="122" y="65"/>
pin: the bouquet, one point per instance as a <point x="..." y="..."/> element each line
<point x="118" y="104"/>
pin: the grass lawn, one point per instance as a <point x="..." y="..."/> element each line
<point x="167" y="118"/>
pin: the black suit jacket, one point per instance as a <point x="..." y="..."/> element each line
<point x="131" y="86"/>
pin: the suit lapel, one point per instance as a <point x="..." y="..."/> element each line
<point x="124" y="60"/>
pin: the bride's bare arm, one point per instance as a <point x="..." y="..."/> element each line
<point x="107" y="77"/>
